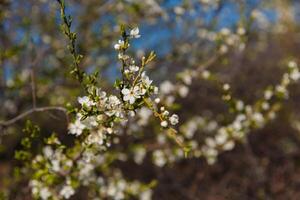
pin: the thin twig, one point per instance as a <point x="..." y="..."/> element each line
<point x="71" y="36"/>
<point x="208" y="63"/>
<point x="33" y="88"/>
<point x="33" y="110"/>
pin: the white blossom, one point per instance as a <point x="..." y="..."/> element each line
<point x="76" y="128"/>
<point x="144" y="115"/>
<point x="241" y="31"/>
<point x="86" y="101"/>
<point x="135" y="33"/>
<point x="159" y="158"/>
<point x="166" y="87"/>
<point x="119" y="45"/>
<point x="228" y="145"/>
<point x="206" y="74"/>
<point x="45" y="193"/>
<point x="133" y="68"/>
<point x="146" y="195"/>
<point x="226" y="86"/>
<point x="139" y="155"/>
<point x="131" y="95"/>
<point x="295" y="75"/>
<point x="183" y="91"/>
<point x="174" y="119"/>
<point x="96" y="137"/>
<point x="292" y="64"/>
<point x="146" y="80"/>
<point x="239" y="105"/>
<point x="157" y="100"/>
<point x="164" y="124"/>
<point x="67" y="191"/>
<point x="55" y="165"/>
<point x="187" y="78"/>
<point x="48" y="152"/>
<point x="258" y="118"/>
<point x="268" y="94"/>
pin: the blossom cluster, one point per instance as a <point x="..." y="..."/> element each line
<point x="100" y="113"/>
<point x="59" y="172"/>
<point x="219" y="138"/>
<point x="225" y="38"/>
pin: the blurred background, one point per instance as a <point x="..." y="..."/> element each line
<point x="185" y="35"/>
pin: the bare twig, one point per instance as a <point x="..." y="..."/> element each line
<point x="105" y="6"/>
<point x="33" y="88"/>
<point x="208" y="63"/>
<point x="32" y="65"/>
<point x="33" y="110"/>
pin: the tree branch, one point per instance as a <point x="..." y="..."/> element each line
<point x="33" y="110"/>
